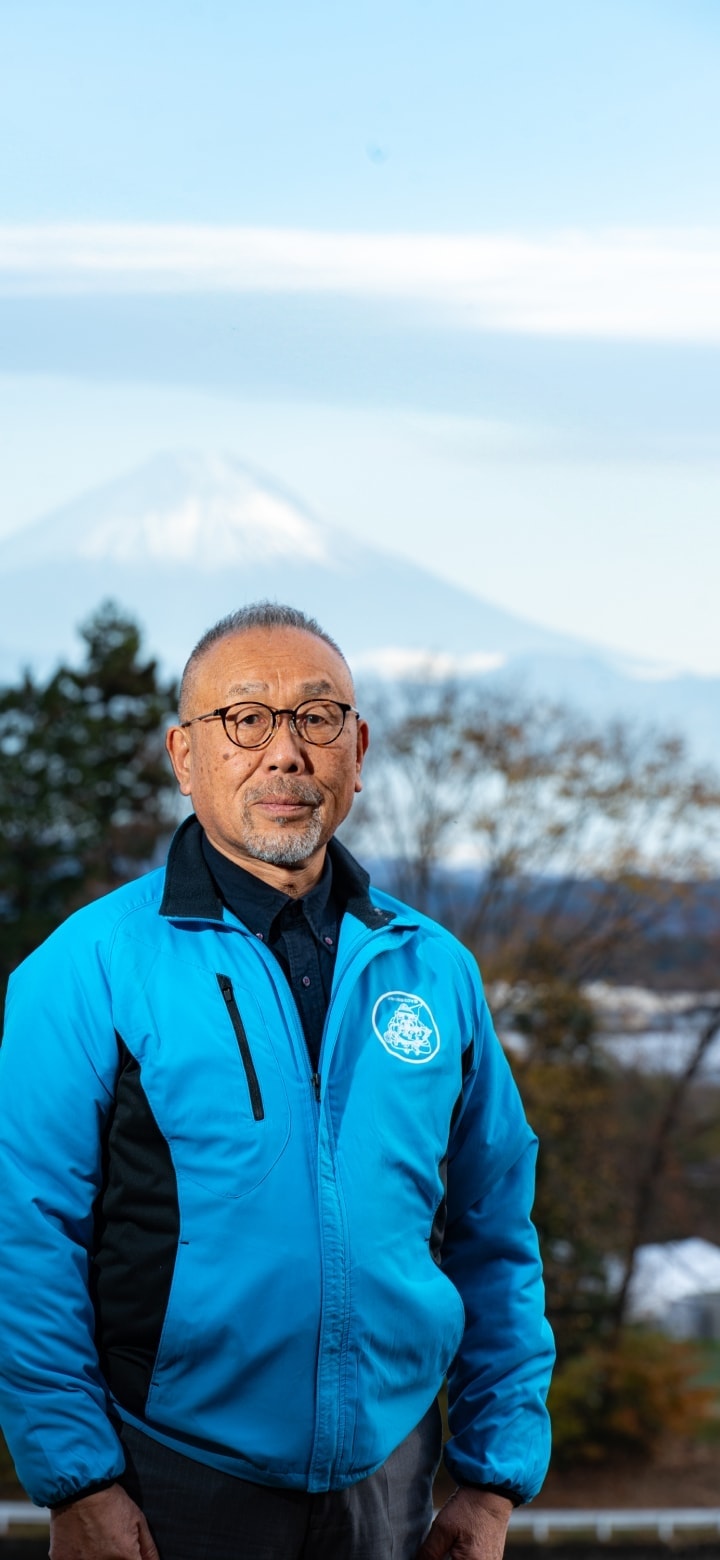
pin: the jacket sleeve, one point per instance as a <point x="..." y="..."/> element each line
<point x="57" y="1071"/>
<point x="498" y="1383"/>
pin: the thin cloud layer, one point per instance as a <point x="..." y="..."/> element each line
<point x="622" y="284"/>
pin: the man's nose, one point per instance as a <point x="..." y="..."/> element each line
<point x="285" y="750"/>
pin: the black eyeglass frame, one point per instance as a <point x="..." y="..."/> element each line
<point x="256" y="704"/>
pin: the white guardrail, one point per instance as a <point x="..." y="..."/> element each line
<point x="19" y="1513"/>
<point x="604" y="1526"/>
<point x="538" y="1524"/>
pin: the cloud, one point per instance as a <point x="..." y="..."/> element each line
<point x="621" y="284"/>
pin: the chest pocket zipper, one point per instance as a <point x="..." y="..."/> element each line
<point x="256" y="1100"/>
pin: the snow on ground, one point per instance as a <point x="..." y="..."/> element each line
<point x="675" y="1271"/>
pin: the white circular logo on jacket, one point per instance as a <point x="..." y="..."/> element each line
<point x="405" y="1026"/>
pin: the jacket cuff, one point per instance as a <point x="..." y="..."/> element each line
<point x="90" y="1489"/>
<point x="507" y="1492"/>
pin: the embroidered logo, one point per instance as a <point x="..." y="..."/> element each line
<point x="405" y="1026"/>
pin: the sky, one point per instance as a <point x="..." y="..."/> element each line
<point x="449" y="271"/>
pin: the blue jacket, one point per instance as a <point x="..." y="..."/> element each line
<point x="269" y="1270"/>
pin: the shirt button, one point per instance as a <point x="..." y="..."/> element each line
<point x="260" y="935"/>
<point x="306" y="980"/>
<point x="329" y="941"/>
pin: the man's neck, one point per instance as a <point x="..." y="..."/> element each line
<point x="295" y="880"/>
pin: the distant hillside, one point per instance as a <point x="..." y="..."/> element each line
<point x="677" y="948"/>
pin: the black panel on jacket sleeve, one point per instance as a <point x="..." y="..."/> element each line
<point x="137" y="1227"/>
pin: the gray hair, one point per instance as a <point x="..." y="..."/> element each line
<point x="259" y="614"/>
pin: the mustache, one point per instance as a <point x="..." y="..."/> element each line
<point x="291" y="791"/>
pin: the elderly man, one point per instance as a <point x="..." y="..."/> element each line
<point x="266" y="1176"/>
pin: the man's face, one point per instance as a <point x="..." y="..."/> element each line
<point x="273" y="807"/>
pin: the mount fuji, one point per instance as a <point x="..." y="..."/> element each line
<point x="187" y="538"/>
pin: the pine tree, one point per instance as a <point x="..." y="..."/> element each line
<point x="85" y="792"/>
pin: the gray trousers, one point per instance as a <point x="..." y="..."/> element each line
<point x="198" y="1513"/>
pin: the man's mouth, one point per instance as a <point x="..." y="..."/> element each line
<point x="284" y="807"/>
<point x="287" y="806"/>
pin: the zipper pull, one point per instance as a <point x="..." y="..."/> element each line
<point x="315" y="1081"/>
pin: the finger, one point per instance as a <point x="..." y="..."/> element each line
<point x="148" y="1547"/>
<point x="437" y="1544"/>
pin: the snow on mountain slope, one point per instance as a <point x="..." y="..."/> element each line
<point x="207" y="513"/>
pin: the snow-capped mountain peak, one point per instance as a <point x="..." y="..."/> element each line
<point x="205" y="511"/>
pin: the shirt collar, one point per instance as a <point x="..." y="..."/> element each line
<point x="258" y="905"/>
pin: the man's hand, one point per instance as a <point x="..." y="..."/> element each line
<point x="472" y="1525"/>
<point x="105" y="1526"/>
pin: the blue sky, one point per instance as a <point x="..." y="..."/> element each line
<point x="451" y="271"/>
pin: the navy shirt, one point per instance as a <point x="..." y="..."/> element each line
<point x="302" y="933"/>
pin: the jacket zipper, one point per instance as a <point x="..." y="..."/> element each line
<point x="322" y="1459"/>
<point x="316" y="1077"/>
<point x="334" y="1331"/>
<point x="256" y="1101"/>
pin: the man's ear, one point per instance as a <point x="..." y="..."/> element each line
<point x="363" y="742"/>
<point x="179" y="750"/>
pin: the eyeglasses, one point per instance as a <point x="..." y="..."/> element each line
<point x="318" y="721"/>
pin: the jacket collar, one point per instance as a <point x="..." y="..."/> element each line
<point x="190" y="893"/>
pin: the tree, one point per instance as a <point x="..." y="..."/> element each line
<point x="579" y="836"/>
<point x="582" y="840"/>
<point x="85" y="790"/>
<point x="655" y="1159"/>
